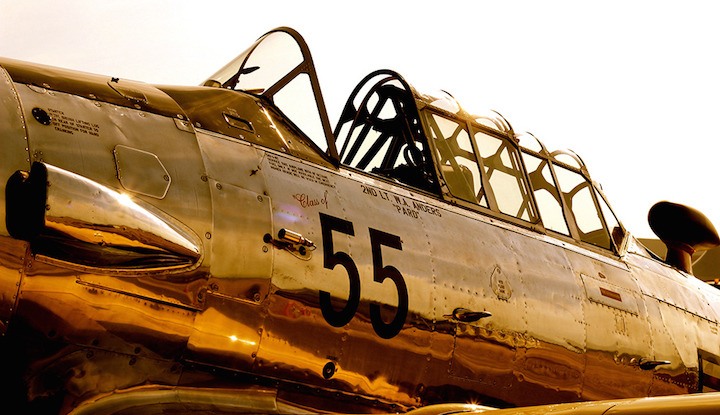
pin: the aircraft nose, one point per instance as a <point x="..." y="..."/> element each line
<point x="14" y="156"/>
<point x="14" y="149"/>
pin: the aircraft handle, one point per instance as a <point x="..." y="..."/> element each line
<point x="288" y="236"/>
<point x="648" y="364"/>
<point x="467" y="316"/>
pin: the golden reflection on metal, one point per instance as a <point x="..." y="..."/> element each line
<point x="235" y="338"/>
<point x="111" y="302"/>
<point x="107" y="217"/>
<point x="76" y="209"/>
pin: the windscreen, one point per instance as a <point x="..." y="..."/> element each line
<point x="279" y="67"/>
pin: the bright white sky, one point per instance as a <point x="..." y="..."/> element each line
<point x="632" y="86"/>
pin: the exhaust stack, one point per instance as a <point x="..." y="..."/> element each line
<point x="76" y="220"/>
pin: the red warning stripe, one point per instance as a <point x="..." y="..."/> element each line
<point x="611" y="294"/>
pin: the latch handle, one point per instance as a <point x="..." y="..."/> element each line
<point x="465" y="315"/>
<point x="647" y="364"/>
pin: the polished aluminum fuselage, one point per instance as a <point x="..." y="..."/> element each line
<point x="567" y="322"/>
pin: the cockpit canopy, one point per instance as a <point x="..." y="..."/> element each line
<point x="429" y="143"/>
<point x="279" y="68"/>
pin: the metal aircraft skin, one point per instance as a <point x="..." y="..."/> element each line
<point x="218" y="249"/>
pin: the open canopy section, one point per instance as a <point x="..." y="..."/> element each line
<point x="279" y="67"/>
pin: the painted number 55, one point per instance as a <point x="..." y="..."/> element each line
<point x="331" y="259"/>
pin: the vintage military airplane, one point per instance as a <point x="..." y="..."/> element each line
<point x="219" y="249"/>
